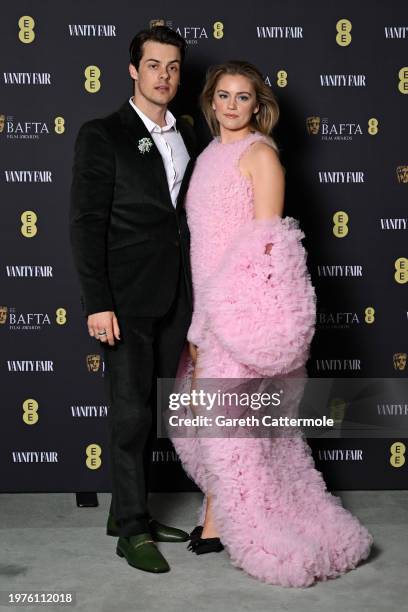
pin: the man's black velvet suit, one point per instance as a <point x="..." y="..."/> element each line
<point x="131" y="251"/>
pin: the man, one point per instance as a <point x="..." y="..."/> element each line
<point x="130" y="243"/>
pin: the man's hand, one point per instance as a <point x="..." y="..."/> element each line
<point x="104" y="326"/>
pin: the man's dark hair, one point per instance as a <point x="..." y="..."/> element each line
<point x="161" y="34"/>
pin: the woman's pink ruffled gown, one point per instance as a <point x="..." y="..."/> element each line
<point x="274" y="514"/>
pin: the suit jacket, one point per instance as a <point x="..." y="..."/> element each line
<point x="129" y="242"/>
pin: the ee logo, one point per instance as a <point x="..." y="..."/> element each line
<point x="59" y="125"/>
<point x="343" y="36"/>
<point x="93" y="456"/>
<point x="403" y="80"/>
<point x="340" y="227"/>
<point x="282" y="79"/>
<point x="28" y="226"/>
<point x="369" y="314"/>
<point x="373" y="126"/>
<point x="26" y="32"/>
<point x="218" y="30"/>
<point x="337" y="409"/>
<point x="61" y="316"/>
<point x="92" y="83"/>
<point x="397" y="457"/>
<point x="30" y="415"/>
<point x="401" y="270"/>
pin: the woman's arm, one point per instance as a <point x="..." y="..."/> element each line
<point x="262" y="166"/>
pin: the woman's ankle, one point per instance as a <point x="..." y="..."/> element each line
<point x="209" y="531"/>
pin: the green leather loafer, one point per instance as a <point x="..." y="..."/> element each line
<point x="159" y="532"/>
<point x="142" y="553"/>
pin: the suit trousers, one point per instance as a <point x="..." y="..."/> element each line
<point x="150" y="348"/>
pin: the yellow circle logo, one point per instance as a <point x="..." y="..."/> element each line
<point x="26" y="32"/>
<point x="403" y="80"/>
<point x="343" y="36"/>
<point x="401" y="270"/>
<point x="340" y="227"/>
<point x="61" y="316"/>
<point x="373" y="126"/>
<point x="282" y="78"/>
<point x="93" y="456"/>
<point x="218" y="30"/>
<point x="369" y="314"/>
<point x="59" y="125"/>
<point x="30" y="407"/>
<point x="397" y="457"/>
<point x="92" y="75"/>
<point x="337" y="409"/>
<point x="29" y="227"/>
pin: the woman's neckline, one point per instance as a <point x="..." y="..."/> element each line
<point x="217" y="138"/>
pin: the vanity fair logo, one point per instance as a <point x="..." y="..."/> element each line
<point x="30" y="366"/>
<point x="341" y="176"/>
<point x="340" y="454"/>
<point x="13" y="271"/>
<point x="396" y="32"/>
<point x="92" y="30"/>
<point x="28" y="176"/>
<point x="281" y="31"/>
<point x="27" y="78"/>
<point x="338" y="365"/>
<point x="339" y="130"/>
<point x="89" y="411"/>
<point x="392" y="409"/>
<point x="167" y="456"/>
<point x="34" y="456"/>
<point x="399" y="223"/>
<point x="340" y="271"/>
<point x="343" y="80"/>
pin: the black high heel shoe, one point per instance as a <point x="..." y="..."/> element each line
<point x="201" y="545"/>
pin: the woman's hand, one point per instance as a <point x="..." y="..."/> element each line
<point x="193" y="352"/>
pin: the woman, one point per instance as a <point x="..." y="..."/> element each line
<point x="254" y="315"/>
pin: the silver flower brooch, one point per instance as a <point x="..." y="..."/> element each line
<point x="145" y="144"/>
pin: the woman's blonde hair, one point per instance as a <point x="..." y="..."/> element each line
<point x="268" y="114"/>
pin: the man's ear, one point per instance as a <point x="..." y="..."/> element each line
<point x="133" y="72"/>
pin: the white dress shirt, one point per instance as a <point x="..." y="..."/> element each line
<point x="171" y="146"/>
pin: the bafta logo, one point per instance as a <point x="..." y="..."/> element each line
<point x="2" y="122"/>
<point x="400" y="361"/>
<point x="402" y="174"/>
<point x="3" y="314"/>
<point x="313" y="125"/>
<point x="93" y="362"/>
<point x="156" y="22"/>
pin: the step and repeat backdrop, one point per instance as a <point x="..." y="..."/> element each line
<point x="340" y="73"/>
